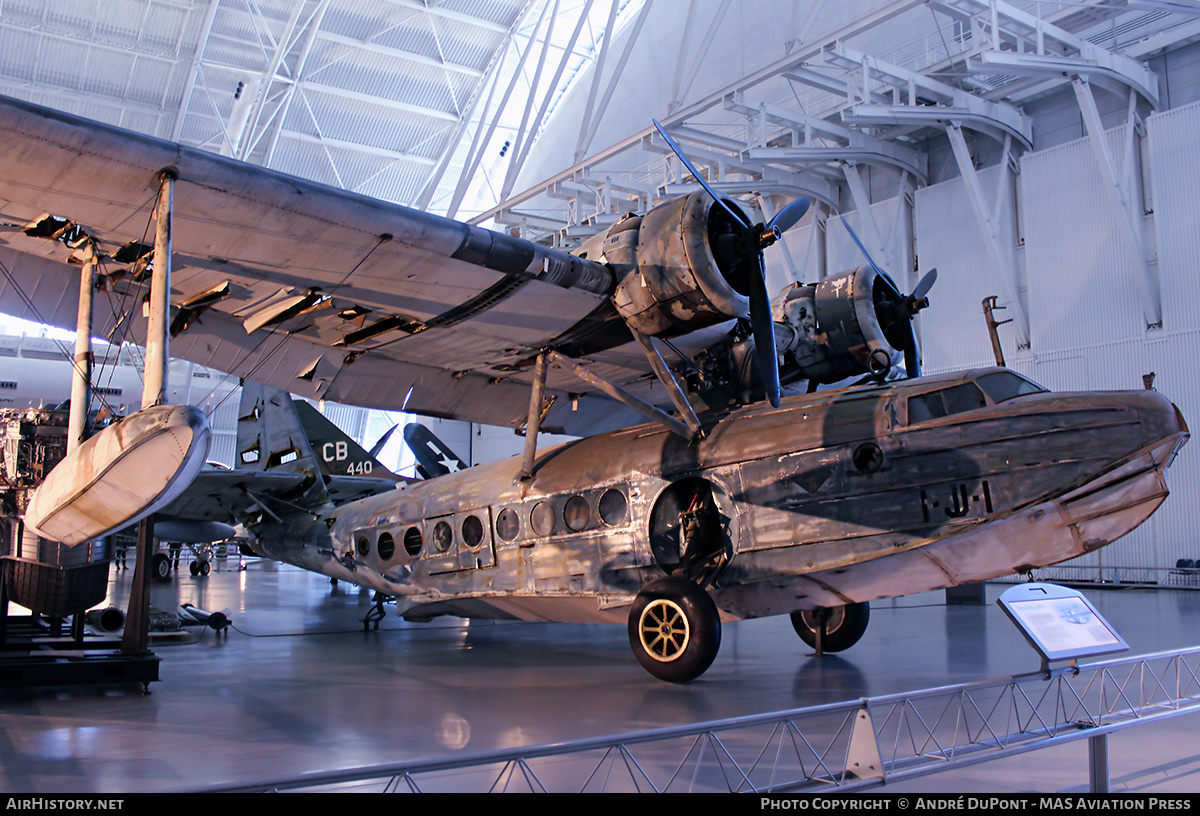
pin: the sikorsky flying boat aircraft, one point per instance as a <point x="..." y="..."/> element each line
<point x="732" y="502"/>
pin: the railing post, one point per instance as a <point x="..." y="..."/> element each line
<point x="1098" y="763"/>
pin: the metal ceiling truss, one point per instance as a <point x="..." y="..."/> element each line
<point x="811" y="122"/>
<point x="270" y="73"/>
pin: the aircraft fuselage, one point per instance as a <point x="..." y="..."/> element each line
<point x="834" y="498"/>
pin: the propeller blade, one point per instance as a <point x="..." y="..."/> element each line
<point x="763" y="328"/>
<point x="787" y="218"/>
<point x="863" y="249"/>
<point x="924" y="285"/>
<point x="912" y="357"/>
<point x="678" y="151"/>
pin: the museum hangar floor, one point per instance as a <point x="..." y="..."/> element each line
<point x="296" y="685"/>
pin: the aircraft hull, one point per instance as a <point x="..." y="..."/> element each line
<point x="826" y="501"/>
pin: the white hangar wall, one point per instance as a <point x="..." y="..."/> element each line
<point x="1078" y="279"/>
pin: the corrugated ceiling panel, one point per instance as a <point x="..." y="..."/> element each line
<point x="353" y="120"/>
<point x="18" y="54"/>
<point x="500" y="12"/>
<point x="389" y="79"/>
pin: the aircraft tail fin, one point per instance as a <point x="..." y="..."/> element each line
<point x="270" y="438"/>
<point x="336" y="453"/>
<point x="433" y="457"/>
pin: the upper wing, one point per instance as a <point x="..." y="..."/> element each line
<point x="313" y="290"/>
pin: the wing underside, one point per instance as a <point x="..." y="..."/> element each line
<point x="313" y="290"/>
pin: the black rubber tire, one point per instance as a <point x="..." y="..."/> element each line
<point x="844" y="628"/>
<point x="160" y="567"/>
<point x="674" y="630"/>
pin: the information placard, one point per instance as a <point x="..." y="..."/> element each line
<point x="1059" y="622"/>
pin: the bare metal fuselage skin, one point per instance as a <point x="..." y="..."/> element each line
<point x="833" y="498"/>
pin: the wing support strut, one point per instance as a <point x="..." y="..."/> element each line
<point x="534" y="423"/>
<point x="620" y="394"/>
<point x="536" y="398"/>
<point x="672" y="385"/>
<point x="136" y="639"/>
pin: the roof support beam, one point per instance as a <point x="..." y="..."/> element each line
<point x="481" y="139"/>
<point x="597" y="74"/>
<point x="1003" y="258"/>
<point x="862" y="205"/>
<point x="994" y="118"/>
<point x="596" y="115"/>
<point x="1121" y="191"/>
<point x="409" y="56"/>
<point x="1039" y="47"/>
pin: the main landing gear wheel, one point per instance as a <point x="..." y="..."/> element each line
<point x="674" y="630"/>
<point x="844" y="625"/>
<point x="160" y="567"/>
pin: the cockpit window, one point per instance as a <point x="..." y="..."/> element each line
<point x="1004" y="385"/>
<point x="953" y="400"/>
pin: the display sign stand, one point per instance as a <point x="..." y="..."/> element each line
<point x="1060" y="623"/>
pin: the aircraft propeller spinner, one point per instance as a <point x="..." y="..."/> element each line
<point x="746" y="248"/>
<point x="898" y="310"/>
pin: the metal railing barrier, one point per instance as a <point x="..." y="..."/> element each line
<point x="845" y="746"/>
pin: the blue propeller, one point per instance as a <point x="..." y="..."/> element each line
<point x="750" y="245"/>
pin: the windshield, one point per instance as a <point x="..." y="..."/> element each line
<point x="1004" y="385"/>
<point x="953" y="400"/>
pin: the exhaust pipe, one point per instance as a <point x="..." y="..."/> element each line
<point x="189" y="614"/>
<point x="105" y="620"/>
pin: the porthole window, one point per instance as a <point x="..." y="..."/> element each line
<point x="868" y="458"/>
<point x="472" y="531"/>
<point x="413" y="541"/>
<point x="507" y="524"/>
<point x="443" y="536"/>
<point x="576" y="513"/>
<point x="363" y="545"/>
<point x="613" y="507"/>
<point x="541" y="518"/>
<point x="385" y="546"/>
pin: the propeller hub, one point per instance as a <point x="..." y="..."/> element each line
<point x="768" y="235"/>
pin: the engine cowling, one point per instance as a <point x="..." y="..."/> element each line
<point x="847" y="325"/>
<point x="674" y="275"/>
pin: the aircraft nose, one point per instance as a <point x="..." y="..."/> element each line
<point x="1160" y="418"/>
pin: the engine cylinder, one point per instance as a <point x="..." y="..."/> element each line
<point x="839" y="326"/>
<point x="678" y="283"/>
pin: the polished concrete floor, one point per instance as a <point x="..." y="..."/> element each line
<point x="297" y="685"/>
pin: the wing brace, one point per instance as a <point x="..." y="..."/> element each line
<point x="689" y="429"/>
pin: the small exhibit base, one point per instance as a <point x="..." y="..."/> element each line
<point x="31" y="657"/>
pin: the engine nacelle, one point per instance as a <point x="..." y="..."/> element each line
<point x="673" y="276"/>
<point x="845" y="326"/>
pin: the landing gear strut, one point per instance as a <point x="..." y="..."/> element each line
<point x="674" y="630"/>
